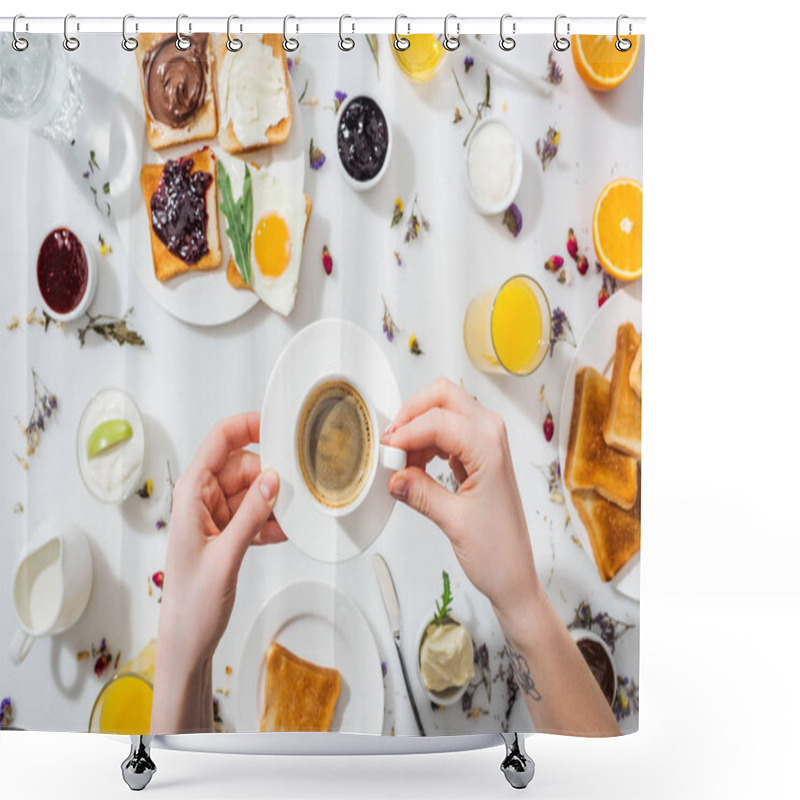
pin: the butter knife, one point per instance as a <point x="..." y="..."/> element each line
<point x="392" y="607"/>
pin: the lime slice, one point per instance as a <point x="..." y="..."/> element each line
<point x="107" y="434"/>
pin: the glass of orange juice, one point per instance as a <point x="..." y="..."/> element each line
<point x="507" y="328"/>
<point x="422" y="59"/>
<point x="125" y="703"/>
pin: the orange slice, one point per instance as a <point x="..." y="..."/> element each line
<point x="617" y="228"/>
<point x="600" y="64"/>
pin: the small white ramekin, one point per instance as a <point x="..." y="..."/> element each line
<point x="364" y="186"/>
<point x="450" y="696"/>
<point x="480" y="204"/>
<point x="91" y="282"/>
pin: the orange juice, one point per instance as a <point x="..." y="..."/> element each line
<point x="422" y="59"/>
<point x="507" y="330"/>
<point x="125" y="703"/>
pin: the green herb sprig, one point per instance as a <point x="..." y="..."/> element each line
<point x="443" y="608"/>
<point x="239" y="214"/>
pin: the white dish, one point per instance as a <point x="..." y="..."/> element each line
<point x="320" y="624"/>
<point x="364" y="186"/>
<point x="201" y="298"/>
<point x="450" y="696"/>
<point x="326" y="347"/>
<point x="596" y="349"/>
<point x="483" y="204"/>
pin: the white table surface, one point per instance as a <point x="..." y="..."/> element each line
<point x="186" y="378"/>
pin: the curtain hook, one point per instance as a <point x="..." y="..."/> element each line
<point x="345" y="42"/>
<point x="290" y="44"/>
<point x="19" y="43"/>
<point x="507" y="42"/>
<point x="71" y="43"/>
<point x="129" y="43"/>
<point x="561" y="43"/>
<point x="623" y="45"/>
<point x="234" y="44"/>
<point x="451" y="42"/>
<point x="181" y="41"/>
<point x="400" y="42"/>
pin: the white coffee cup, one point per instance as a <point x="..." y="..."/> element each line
<point x="382" y="456"/>
<point x="52" y="584"/>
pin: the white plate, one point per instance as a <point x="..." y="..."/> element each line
<point x="320" y="624"/>
<point x="326" y="347"/>
<point x="201" y="298"/>
<point x="596" y="349"/>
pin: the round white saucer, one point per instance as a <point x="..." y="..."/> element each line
<point x="326" y="347"/>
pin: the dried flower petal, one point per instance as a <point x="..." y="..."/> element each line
<point x="338" y="99"/>
<point x="111" y="329"/>
<point x="101" y="665"/>
<point x="83" y="655"/>
<point x="560" y="329"/>
<point x="389" y="327"/>
<point x="512" y="219"/>
<point x="547" y="148"/>
<point x="572" y="244"/>
<point x="160" y="524"/>
<point x="397" y="215"/>
<point x="554" y="263"/>
<point x="105" y="248"/>
<point x="413" y="345"/>
<point x="158" y="579"/>
<point x="548" y="427"/>
<point x="469" y="62"/>
<point x="229" y="670"/>
<point x="327" y="261"/>
<point x="554" y="74"/>
<point x="398" y="260"/>
<point x="583" y="264"/>
<point x="416" y="222"/>
<point x="13" y="324"/>
<point x="457" y="116"/>
<point x="316" y="157"/>
<point x="6" y="712"/>
<point x="146" y="489"/>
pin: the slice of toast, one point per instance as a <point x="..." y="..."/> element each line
<point x="623" y="425"/>
<point x="232" y="271"/>
<point x="300" y="696"/>
<point x="615" y="534"/>
<point x="591" y="463"/>
<point x="165" y="263"/>
<point x="276" y="129"/>
<point x="635" y="377"/>
<point x="203" y="125"/>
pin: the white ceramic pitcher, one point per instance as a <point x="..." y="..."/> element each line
<point x="52" y="584"/>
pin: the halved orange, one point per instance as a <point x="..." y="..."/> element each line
<point x="600" y="64"/>
<point x="617" y="228"/>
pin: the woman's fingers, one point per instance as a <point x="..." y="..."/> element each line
<point x="253" y="514"/>
<point x="271" y="533"/>
<point x="458" y="469"/>
<point x="239" y="470"/>
<point x="443" y="431"/>
<point x="414" y="487"/>
<point x="227" y="436"/>
<point x="442" y="393"/>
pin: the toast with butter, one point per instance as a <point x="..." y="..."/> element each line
<point x="591" y="462"/>
<point x="254" y="93"/>
<point x="635" y="377"/>
<point x="623" y="425"/>
<point x="300" y="696"/>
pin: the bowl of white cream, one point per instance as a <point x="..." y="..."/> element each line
<point x="445" y="660"/>
<point x="493" y="166"/>
<point x="111" y="446"/>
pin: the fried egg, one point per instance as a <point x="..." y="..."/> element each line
<point x="276" y="246"/>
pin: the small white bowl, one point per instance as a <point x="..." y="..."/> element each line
<point x="483" y="206"/>
<point x="450" y="696"/>
<point x="581" y="633"/>
<point x="91" y="281"/>
<point x="364" y="186"/>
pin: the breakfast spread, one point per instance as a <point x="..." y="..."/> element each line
<point x="177" y="89"/>
<point x="299" y="695"/>
<point x="111" y="446"/>
<point x="182" y="208"/>
<point x="362" y="138"/>
<point x="445" y="657"/>
<point x="602" y="469"/>
<point x="62" y="271"/>
<point x="254" y="105"/>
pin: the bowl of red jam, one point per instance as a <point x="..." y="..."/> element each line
<point x="363" y="141"/>
<point x="66" y="275"/>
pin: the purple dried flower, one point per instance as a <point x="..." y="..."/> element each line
<point x="389" y="326"/>
<point x="469" y="61"/>
<point x="512" y="219"/>
<point x="338" y="99"/>
<point x="560" y="329"/>
<point x="547" y="148"/>
<point x="160" y="524"/>
<point x="6" y="712"/>
<point x="554" y="74"/>
<point x="289" y="64"/>
<point x="383" y="668"/>
<point x="316" y="157"/>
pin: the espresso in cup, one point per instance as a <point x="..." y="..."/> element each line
<point x="335" y="444"/>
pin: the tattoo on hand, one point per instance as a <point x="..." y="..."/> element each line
<point x="522" y="673"/>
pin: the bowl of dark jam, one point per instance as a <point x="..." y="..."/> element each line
<point x="363" y="140"/>
<point x="66" y="275"/>
<point x="598" y="658"/>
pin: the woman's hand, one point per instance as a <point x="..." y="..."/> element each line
<point x="484" y="519"/>
<point x="221" y="505"/>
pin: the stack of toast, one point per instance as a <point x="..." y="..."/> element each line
<point x="300" y="695"/>
<point x="602" y="470"/>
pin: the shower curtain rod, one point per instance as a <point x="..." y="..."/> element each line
<point x="301" y="25"/>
